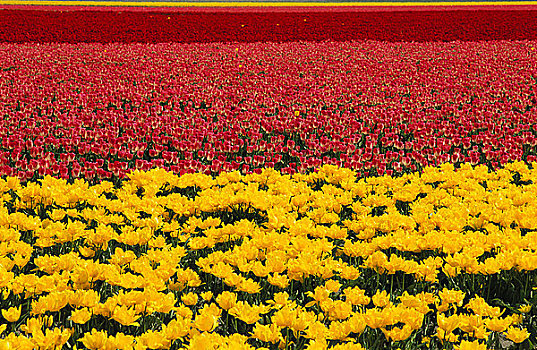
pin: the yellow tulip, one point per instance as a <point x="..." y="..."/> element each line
<point x="356" y="296"/>
<point x="517" y="335"/>
<point x="80" y="316"/>
<point x="525" y="308"/>
<point x="284" y="317"/>
<point x="207" y="296"/>
<point x="471" y="345"/>
<point x="496" y="324"/>
<point x="12" y="314"/>
<point x="340" y="310"/>
<point x="381" y="299"/>
<point x="280" y="281"/>
<point x="125" y="316"/>
<point x="397" y="334"/>
<point x="226" y="300"/>
<point x="177" y="328"/>
<point x="280" y="300"/>
<point x="267" y="333"/>
<point x="448" y="324"/>
<point x="245" y="312"/>
<point x="189" y="299"/>
<point x="452" y="296"/>
<point x="374" y="318"/>
<point x="95" y="339"/>
<point x="206" y="322"/>
<point x="316" y="330"/>
<point x="122" y="341"/>
<point x="154" y="340"/>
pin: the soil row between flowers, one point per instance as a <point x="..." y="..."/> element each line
<point x="44" y="24"/>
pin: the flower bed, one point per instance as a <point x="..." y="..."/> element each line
<point x="471" y="23"/>
<point x="98" y="111"/>
<point x="435" y="259"/>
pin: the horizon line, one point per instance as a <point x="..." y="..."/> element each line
<point x="261" y="3"/>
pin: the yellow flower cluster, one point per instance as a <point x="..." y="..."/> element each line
<point x="304" y="261"/>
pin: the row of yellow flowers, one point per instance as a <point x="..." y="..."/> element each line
<point x="445" y="258"/>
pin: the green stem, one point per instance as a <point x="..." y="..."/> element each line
<point x="526" y="285"/>
<point x="391" y="285"/>
<point x="488" y="288"/>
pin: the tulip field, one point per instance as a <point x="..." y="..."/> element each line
<point x="298" y="194"/>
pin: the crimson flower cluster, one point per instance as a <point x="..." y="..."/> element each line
<point x="97" y="111"/>
<point x="151" y="25"/>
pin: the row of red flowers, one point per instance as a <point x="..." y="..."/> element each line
<point x="247" y="25"/>
<point x="98" y="111"/>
